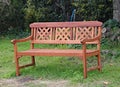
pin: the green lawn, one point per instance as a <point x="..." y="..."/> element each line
<point x="68" y="68"/>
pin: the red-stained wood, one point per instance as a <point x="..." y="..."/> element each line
<point x="67" y="24"/>
<point x="86" y="32"/>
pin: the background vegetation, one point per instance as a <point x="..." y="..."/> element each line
<point x="16" y="15"/>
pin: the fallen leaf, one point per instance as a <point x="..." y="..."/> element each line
<point x="111" y="64"/>
<point x="106" y="83"/>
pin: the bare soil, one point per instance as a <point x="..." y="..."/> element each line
<point x="30" y="82"/>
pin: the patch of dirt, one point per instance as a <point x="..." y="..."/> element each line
<point x="25" y="79"/>
<point x="30" y="82"/>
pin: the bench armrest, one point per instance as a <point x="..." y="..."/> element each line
<point x="84" y="43"/>
<point x="14" y="41"/>
<point x="91" y="40"/>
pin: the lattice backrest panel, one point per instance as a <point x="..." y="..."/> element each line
<point x="85" y="32"/>
<point x="43" y="33"/>
<point x="63" y="33"/>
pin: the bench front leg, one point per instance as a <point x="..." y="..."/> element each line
<point x="85" y="66"/>
<point x="16" y="60"/>
<point x="17" y="66"/>
<point x="84" y="60"/>
<point x="99" y="62"/>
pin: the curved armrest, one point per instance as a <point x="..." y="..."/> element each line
<point x="91" y="40"/>
<point x="14" y="41"/>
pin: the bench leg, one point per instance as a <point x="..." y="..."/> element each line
<point x="33" y="60"/>
<point x="17" y="66"/>
<point x="99" y="62"/>
<point x="85" y="67"/>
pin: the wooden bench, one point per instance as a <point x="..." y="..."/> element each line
<point x="86" y="32"/>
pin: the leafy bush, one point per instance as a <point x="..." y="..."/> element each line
<point x="16" y="33"/>
<point x="111" y="23"/>
<point x="11" y="15"/>
<point x="93" y="10"/>
<point x="111" y="34"/>
<point x="20" y="13"/>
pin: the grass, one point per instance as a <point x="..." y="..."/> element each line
<point x="68" y="68"/>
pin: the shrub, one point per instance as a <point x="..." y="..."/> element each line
<point x="111" y="34"/>
<point x="111" y="23"/>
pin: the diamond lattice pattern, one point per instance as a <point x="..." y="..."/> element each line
<point x="44" y="34"/>
<point x="84" y="32"/>
<point x="63" y="34"/>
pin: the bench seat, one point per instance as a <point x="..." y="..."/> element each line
<point x="57" y="52"/>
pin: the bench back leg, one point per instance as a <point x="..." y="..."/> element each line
<point x="33" y="60"/>
<point x="99" y="62"/>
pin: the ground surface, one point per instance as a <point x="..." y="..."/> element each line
<point x="30" y="82"/>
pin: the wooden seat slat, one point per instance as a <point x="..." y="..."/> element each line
<point x="55" y="52"/>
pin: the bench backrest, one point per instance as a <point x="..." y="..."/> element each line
<point x="64" y="32"/>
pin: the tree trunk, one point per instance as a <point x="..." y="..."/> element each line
<point x="116" y="10"/>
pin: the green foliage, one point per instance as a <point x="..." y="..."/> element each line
<point x="4" y="8"/>
<point x="11" y="15"/>
<point x="111" y="23"/>
<point x="48" y="10"/>
<point x="76" y="46"/>
<point x="93" y="10"/>
<point x="18" y="14"/>
<point x="112" y="32"/>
